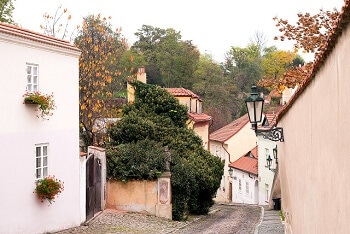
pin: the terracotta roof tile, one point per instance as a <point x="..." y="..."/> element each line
<point x="33" y="36"/>
<point x="228" y="131"/>
<point x="196" y="117"/>
<point x="341" y="24"/>
<point x="182" y="92"/>
<point x="247" y="163"/>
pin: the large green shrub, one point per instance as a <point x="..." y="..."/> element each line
<point x="156" y="119"/>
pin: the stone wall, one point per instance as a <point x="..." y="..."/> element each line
<point x="148" y="196"/>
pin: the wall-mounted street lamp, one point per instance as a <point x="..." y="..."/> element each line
<point x="269" y="160"/>
<point x="275" y="154"/>
<point x="230" y="171"/>
<point x="255" y="105"/>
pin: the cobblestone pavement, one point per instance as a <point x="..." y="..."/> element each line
<point x="227" y="219"/>
<point x="270" y="223"/>
<point x="223" y="219"/>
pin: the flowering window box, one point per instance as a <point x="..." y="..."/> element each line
<point x="45" y="101"/>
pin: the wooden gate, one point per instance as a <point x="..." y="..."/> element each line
<point x="93" y="187"/>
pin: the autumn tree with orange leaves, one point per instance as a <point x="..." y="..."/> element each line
<point x="56" y="25"/>
<point x="310" y="33"/>
<point x="101" y="48"/>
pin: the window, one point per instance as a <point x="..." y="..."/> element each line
<point x="239" y="185"/>
<point x="41" y="154"/>
<point x="32" y="77"/>
<point x="247" y="187"/>
<point x="266" y="192"/>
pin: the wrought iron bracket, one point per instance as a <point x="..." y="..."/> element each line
<point x="273" y="134"/>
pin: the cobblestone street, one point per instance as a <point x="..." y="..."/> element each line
<point x="222" y="219"/>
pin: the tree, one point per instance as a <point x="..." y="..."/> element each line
<point x="217" y="91"/>
<point x="100" y="47"/>
<point x="171" y="59"/>
<point x="6" y="10"/>
<point x="275" y="64"/>
<point x="156" y="119"/>
<point x="244" y="66"/>
<point x="311" y="32"/>
<point x="54" y="26"/>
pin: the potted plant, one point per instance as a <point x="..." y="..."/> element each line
<point x="48" y="188"/>
<point x="45" y="101"/>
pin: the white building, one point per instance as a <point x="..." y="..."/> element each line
<point x="32" y="148"/>
<point x="266" y="174"/>
<point x="245" y="178"/>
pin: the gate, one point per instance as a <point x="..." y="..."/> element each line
<point x="93" y="187"/>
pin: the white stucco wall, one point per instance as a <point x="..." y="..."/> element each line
<point x="21" y="130"/>
<point x="247" y="180"/>
<point x="265" y="175"/>
<point x="234" y="148"/>
<point x="314" y="159"/>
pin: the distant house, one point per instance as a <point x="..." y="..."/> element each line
<point x="33" y="148"/>
<point x="313" y="160"/>
<point x="245" y="178"/>
<point x="266" y="150"/>
<point x="198" y="121"/>
<point x="229" y="143"/>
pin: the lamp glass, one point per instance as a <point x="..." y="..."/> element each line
<point x="255" y="105"/>
<point x="230" y="171"/>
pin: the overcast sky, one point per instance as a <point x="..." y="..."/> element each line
<point x="213" y="26"/>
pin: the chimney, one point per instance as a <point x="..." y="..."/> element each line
<point x="141" y="76"/>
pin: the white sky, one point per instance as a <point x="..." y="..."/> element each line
<point x="213" y="26"/>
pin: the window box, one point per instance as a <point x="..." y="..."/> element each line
<point x="45" y="101"/>
<point x="29" y="101"/>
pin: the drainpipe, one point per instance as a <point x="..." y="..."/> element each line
<point x="229" y="156"/>
<point x="210" y="123"/>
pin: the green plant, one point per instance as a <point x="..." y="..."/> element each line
<point x="45" y="101"/>
<point x="281" y="215"/>
<point x="48" y="188"/>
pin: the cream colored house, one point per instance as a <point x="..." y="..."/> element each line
<point x="33" y="148"/>
<point x="314" y="158"/>
<point x="198" y="121"/>
<point x="229" y="143"/>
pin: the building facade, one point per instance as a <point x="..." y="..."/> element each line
<point x="34" y="148"/>
<point x="314" y="157"/>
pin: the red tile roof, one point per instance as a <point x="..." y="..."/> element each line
<point x="341" y="24"/>
<point x="182" y="92"/>
<point x="33" y="36"/>
<point x="248" y="162"/>
<point x="228" y="131"/>
<point x="270" y="121"/>
<point x="199" y="117"/>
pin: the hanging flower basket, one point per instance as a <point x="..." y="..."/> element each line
<point x="45" y="101"/>
<point x="48" y="188"/>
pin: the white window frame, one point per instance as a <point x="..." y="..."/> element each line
<point x="247" y="187"/>
<point x="239" y="185"/>
<point x="32" y="77"/>
<point x="41" y="161"/>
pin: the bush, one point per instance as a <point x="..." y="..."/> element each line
<point x="141" y="160"/>
<point x="156" y="119"/>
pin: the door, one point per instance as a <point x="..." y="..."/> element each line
<point x="93" y="187"/>
<point x="230" y="192"/>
